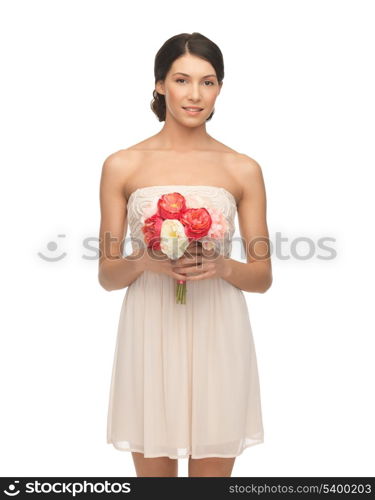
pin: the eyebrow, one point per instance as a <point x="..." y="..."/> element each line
<point x="185" y="74"/>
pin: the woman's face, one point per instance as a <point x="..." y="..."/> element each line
<point x="191" y="81"/>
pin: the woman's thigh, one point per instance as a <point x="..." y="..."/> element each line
<point x="154" y="467"/>
<point x="211" y="467"/>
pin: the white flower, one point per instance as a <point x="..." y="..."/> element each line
<point x="173" y="240"/>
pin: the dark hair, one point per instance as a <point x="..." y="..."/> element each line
<point x="185" y="43"/>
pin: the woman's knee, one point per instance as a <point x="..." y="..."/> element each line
<point x="211" y="467"/>
<point x="154" y="467"/>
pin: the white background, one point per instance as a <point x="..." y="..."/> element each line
<point x="298" y="97"/>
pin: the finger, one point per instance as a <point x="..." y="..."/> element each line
<point x="177" y="263"/>
<point x="187" y="260"/>
<point x="191" y="254"/>
<point x="204" y="275"/>
<point x="195" y="251"/>
<point x="188" y="269"/>
<point x="179" y="276"/>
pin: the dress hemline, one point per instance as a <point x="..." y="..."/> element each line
<point x="188" y="455"/>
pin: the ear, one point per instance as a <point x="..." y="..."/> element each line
<point x="159" y="87"/>
<point x="220" y="85"/>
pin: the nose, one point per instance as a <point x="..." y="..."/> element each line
<point x="194" y="93"/>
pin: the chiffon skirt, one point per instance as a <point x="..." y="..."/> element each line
<point x="184" y="377"/>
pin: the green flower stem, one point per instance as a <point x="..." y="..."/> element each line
<point x="181" y="293"/>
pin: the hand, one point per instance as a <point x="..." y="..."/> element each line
<point x="158" y="262"/>
<point x="202" y="264"/>
<point x="192" y="253"/>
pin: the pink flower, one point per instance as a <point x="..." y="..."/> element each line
<point x="216" y="233"/>
<point x="219" y="224"/>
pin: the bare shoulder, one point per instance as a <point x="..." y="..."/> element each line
<point x="220" y="147"/>
<point x="245" y="172"/>
<point x="125" y="161"/>
<point x="121" y="159"/>
<point x="249" y="174"/>
<point x="120" y="166"/>
<point x="238" y="160"/>
<point x="136" y="150"/>
<point x="247" y="166"/>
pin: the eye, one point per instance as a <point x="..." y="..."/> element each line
<point x="183" y="80"/>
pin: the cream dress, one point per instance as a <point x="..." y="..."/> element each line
<point x="185" y="377"/>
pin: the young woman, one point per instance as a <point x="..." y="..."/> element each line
<point x="185" y="379"/>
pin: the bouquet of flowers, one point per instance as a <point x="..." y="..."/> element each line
<point x="174" y="225"/>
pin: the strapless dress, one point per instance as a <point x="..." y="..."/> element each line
<point x="185" y="377"/>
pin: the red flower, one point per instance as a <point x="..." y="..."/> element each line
<point x="171" y="206"/>
<point x="197" y="222"/>
<point x="151" y="230"/>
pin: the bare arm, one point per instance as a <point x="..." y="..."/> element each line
<point x="254" y="275"/>
<point x="115" y="271"/>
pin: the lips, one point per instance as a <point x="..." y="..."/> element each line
<point x="192" y="108"/>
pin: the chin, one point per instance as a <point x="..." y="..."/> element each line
<point x="194" y="121"/>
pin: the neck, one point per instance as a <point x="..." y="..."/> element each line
<point x="178" y="137"/>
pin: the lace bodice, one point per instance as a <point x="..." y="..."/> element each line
<point x="142" y="203"/>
